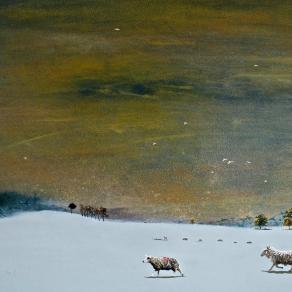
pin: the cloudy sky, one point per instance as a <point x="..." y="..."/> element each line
<point x="170" y="108"/>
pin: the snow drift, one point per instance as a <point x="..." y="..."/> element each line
<point x="54" y="251"/>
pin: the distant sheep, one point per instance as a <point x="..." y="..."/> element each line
<point x="163" y="263"/>
<point x="278" y="257"/>
<point x="163" y="239"/>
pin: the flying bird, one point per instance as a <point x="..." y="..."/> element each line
<point x="230" y="161"/>
<point x="224" y="159"/>
<point x="186" y="123"/>
<point x="117" y="29"/>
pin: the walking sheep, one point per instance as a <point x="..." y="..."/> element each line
<point x="163" y="263"/>
<point x="278" y="257"/>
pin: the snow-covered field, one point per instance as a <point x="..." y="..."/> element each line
<point x="53" y="251"/>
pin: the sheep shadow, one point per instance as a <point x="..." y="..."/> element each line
<point x="164" y="277"/>
<point x="277" y="272"/>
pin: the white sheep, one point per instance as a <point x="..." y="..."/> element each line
<point x="278" y="257"/>
<point x="163" y="263"/>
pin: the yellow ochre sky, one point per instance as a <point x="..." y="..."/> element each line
<point x="170" y="109"/>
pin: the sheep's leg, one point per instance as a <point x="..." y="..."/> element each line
<point x="271" y="267"/>
<point x="180" y="272"/>
<point x="290" y="269"/>
<point x="277" y="266"/>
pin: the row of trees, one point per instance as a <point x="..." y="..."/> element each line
<point x="262" y="221"/>
<point x="93" y="212"/>
<point x="90" y="211"/>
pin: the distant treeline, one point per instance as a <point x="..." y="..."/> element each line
<point x="94" y="212"/>
<point x="13" y="202"/>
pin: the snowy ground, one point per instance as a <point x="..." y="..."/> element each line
<point x="53" y="251"/>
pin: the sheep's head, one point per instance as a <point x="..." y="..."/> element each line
<point x="267" y="252"/>
<point x="146" y="259"/>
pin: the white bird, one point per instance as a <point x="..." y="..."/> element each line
<point x="117" y="29"/>
<point x="212" y="171"/>
<point x="230" y="161"/>
<point x="255" y="65"/>
<point x="265" y="181"/>
<point x="154" y="143"/>
<point x="186" y="123"/>
<point x="248" y="162"/>
<point x="25" y="158"/>
<point x="224" y="159"/>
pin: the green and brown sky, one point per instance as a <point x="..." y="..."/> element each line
<point x="136" y="103"/>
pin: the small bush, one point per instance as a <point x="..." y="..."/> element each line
<point x="260" y="221"/>
<point x="288" y="218"/>
<point x="192" y="221"/>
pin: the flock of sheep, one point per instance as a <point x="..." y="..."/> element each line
<point x="277" y="257"/>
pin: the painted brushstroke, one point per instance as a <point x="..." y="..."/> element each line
<point x="136" y="104"/>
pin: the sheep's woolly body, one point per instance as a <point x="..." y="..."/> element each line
<point x="281" y="257"/>
<point x="278" y="257"/>
<point x="164" y="263"/>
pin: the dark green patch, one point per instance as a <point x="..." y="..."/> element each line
<point x="98" y="88"/>
<point x="12" y="202"/>
<point x="141" y="89"/>
<point x="88" y="87"/>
